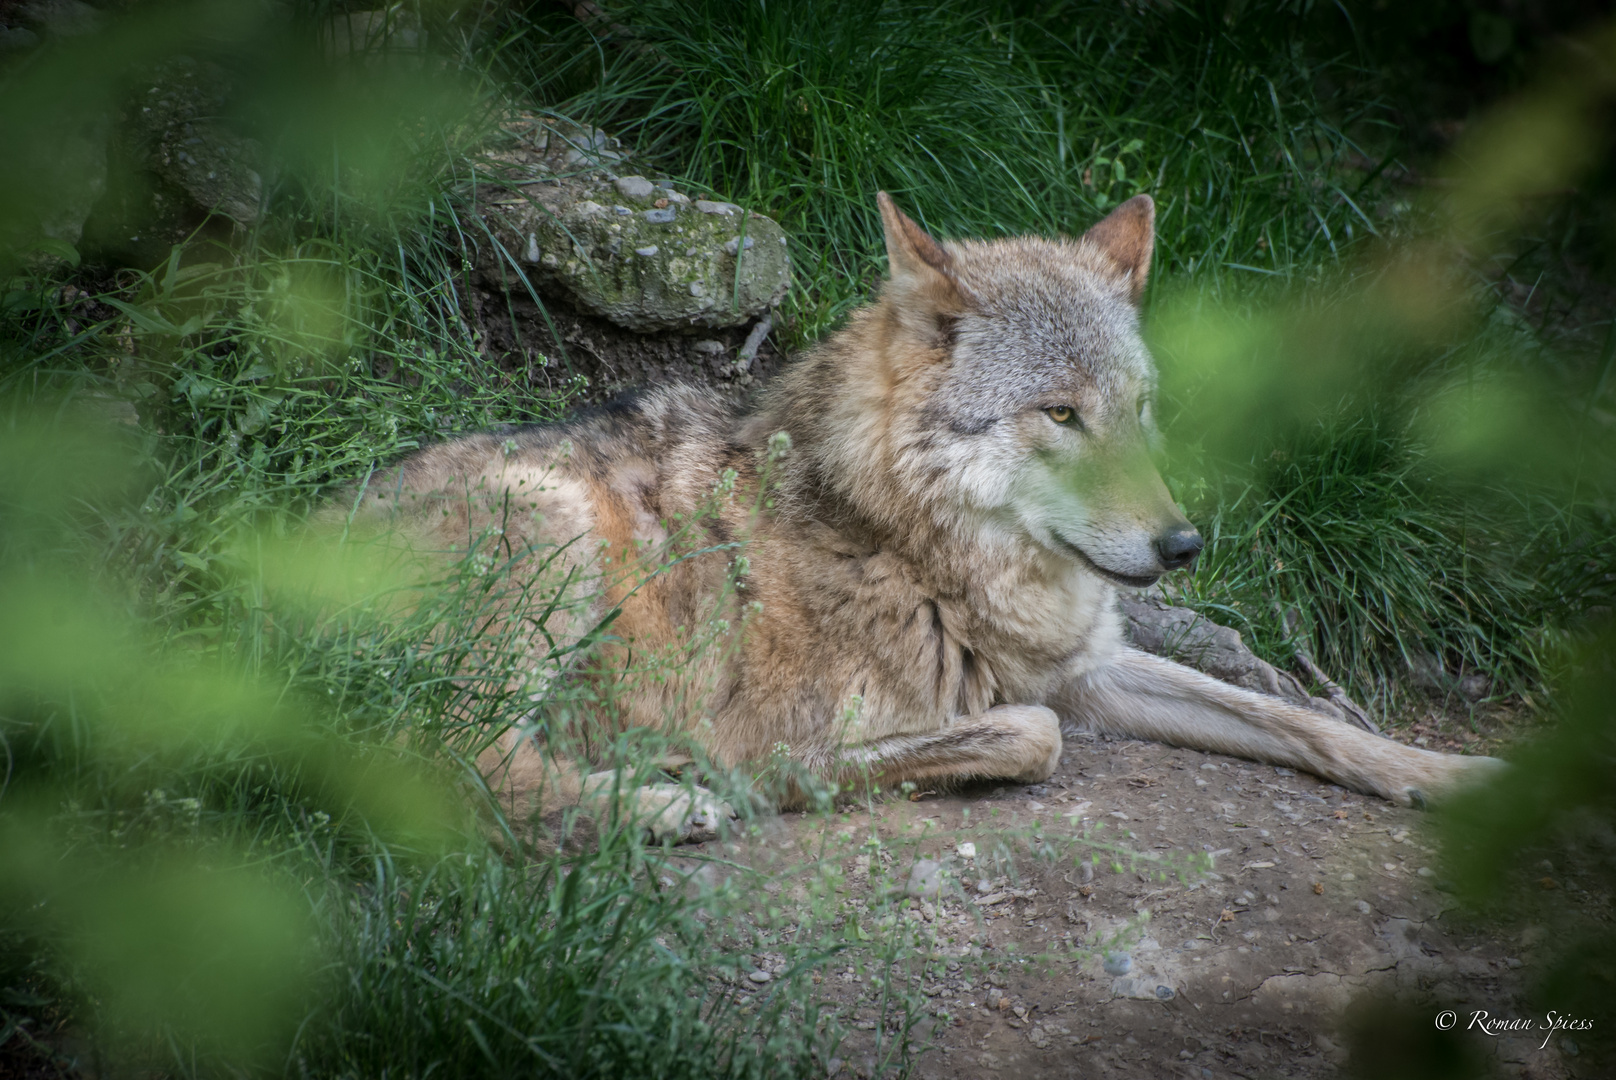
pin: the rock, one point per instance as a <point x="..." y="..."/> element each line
<point x="644" y="264"/>
<point x="967" y="850"/>
<point x="17" y="39"/>
<point x="1428" y="672"/>
<point x="1118" y="963"/>
<point x="925" y="880"/>
<point x="635" y="187"/>
<point x="683" y="269"/>
<point x="760" y="976"/>
<point x="1142" y="989"/>
<point x="175" y="130"/>
<point x="1157" y="626"/>
<point x="60" y="18"/>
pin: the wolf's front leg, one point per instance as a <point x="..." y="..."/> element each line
<point x="1145" y="697"/>
<point x="1010" y="742"/>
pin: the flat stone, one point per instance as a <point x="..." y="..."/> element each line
<point x="660" y="217"/>
<point x="634" y="187"/>
<point x="760" y="976"/>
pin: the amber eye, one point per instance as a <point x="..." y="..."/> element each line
<point x="1062" y="414"/>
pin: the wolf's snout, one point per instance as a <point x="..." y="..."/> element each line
<point x="1179" y="548"/>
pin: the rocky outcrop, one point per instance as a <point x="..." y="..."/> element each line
<point x="634" y="251"/>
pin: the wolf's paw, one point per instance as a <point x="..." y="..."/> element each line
<point x="1446" y="775"/>
<point x="1038" y="741"/>
<point x="666" y="812"/>
<point x="671" y="812"/>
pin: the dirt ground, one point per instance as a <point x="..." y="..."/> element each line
<point x="1317" y="897"/>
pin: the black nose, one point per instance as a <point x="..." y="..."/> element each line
<point x="1179" y="548"/>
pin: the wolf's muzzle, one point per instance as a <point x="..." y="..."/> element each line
<point x="1178" y="549"/>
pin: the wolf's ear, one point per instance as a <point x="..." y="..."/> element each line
<point x="927" y="296"/>
<point x="910" y="252"/>
<point x="1128" y="235"/>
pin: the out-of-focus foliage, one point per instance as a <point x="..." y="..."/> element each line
<point x="234" y="808"/>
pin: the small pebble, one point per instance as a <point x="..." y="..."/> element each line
<point x="760" y="976"/>
<point x="1280" y="770"/>
<point x="1363" y="907"/>
<point x="734" y="244"/>
<point x="660" y="217"/>
<point x="622" y="211"/>
<point x="1118" y="963"/>
<point x="707" y="206"/>
<point x="1426" y="871"/>
<point x="647" y="252"/>
<point x="1164" y="993"/>
<point x="967" y="850"/>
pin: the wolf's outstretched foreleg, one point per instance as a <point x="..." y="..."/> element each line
<point x="1012" y="742"/>
<point x="1145" y="697"/>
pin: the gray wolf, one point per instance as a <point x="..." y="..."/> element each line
<point x="928" y="589"/>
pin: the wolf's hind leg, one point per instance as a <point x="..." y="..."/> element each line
<point x="1141" y="696"/>
<point x="1012" y="742"/>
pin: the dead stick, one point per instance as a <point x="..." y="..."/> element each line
<point x="754" y="340"/>
<point x="1331" y="689"/>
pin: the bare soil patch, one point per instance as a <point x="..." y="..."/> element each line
<point x="1320" y="901"/>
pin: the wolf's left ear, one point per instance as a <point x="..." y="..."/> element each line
<point x="1128" y="235"/>
<point x="924" y="292"/>
<point x="911" y="253"/>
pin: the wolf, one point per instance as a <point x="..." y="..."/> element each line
<point x="940" y="503"/>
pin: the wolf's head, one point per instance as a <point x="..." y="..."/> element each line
<point x="1012" y="386"/>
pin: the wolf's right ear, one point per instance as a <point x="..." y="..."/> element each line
<point x="1128" y="235"/>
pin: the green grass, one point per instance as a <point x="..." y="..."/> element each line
<point x="979" y="120"/>
<point x="212" y="744"/>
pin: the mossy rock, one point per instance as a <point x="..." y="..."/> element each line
<point x="644" y="256"/>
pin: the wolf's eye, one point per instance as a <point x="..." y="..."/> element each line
<point x="1062" y="414"/>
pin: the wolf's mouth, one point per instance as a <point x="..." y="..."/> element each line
<point x="1125" y="580"/>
